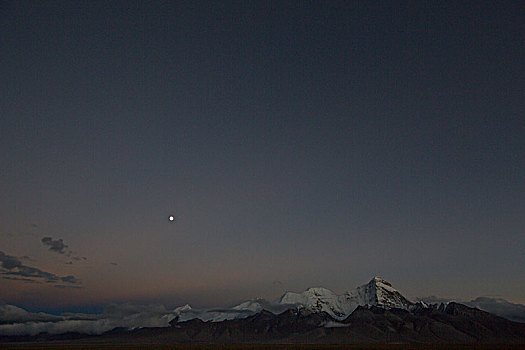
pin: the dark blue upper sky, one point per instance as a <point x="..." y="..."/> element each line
<point x="297" y="143"/>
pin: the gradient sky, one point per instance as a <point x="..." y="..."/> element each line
<point x="298" y="144"/>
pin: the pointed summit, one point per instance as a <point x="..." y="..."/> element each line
<point x="381" y="293"/>
<point x="377" y="280"/>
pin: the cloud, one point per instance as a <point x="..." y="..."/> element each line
<point x="27" y="280"/>
<point x="9" y="262"/>
<point x="17" y="321"/>
<point x="12" y="266"/>
<point x="70" y="279"/>
<point x="56" y="245"/>
<point x="13" y="314"/>
<point x="61" y="286"/>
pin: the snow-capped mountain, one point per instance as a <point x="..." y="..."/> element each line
<point x="318" y="305"/>
<point x="377" y="292"/>
<point x="496" y="306"/>
<point x="319" y="300"/>
<point x="243" y="310"/>
<point x="187" y="313"/>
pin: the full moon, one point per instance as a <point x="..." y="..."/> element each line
<point x="172" y="218"/>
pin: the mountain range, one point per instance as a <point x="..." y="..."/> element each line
<point x="377" y="292"/>
<point x="373" y="312"/>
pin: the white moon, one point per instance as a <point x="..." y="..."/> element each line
<point x="172" y="218"/>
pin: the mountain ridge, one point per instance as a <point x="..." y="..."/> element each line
<point x="449" y="324"/>
<point x="377" y="294"/>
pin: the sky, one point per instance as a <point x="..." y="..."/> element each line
<point x="297" y="144"/>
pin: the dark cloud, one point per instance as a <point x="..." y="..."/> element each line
<point x="56" y="245"/>
<point x="9" y="262"/>
<point x="78" y="258"/>
<point x="70" y="279"/>
<point x="27" y="280"/>
<point x="61" y="286"/>
<point x="114" y="264"/>
<point x="12" y="266"/>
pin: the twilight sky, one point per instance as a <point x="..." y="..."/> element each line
<point x="297" y="143"/>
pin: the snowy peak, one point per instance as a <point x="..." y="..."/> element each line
<point x="316" y="300"/>
<point x="377" y="292"/>
<point x="381" y="293"/>
<point x="308" y="295"/>
<point x="378" y="281"/>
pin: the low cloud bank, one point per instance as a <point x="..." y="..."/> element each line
<point x="13" y="314"/>
<point x="17" y="321"/>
